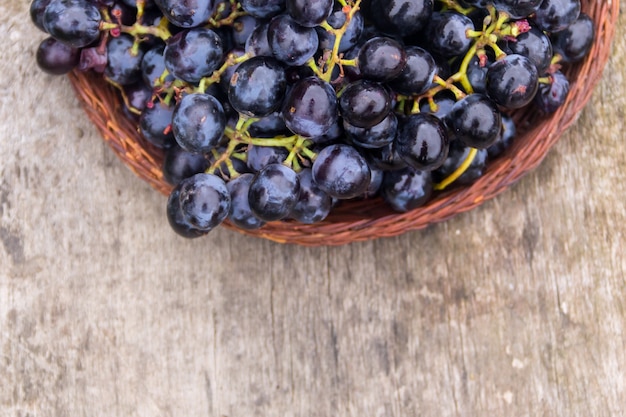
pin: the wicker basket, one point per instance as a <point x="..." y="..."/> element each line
<point x="369" y="219"/>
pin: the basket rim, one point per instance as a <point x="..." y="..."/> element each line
<point x="358" y="221"/>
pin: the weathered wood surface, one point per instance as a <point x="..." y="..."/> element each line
<point x="514" y="309"/>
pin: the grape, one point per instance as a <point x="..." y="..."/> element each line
<point x="261" y="156"/>
<point x="505" y="137"/>
<point x="74" y="22"/>
<point x="446" y="33"/>
<point x="138" y="96"/>
<point x="257" y="42"/>
<point x="406" y="189"/>
<point x="123" y="64"/>
<point x="290" y="42"/>
<point x="243" y="28"/>
<point x="519" y="9"/>
<point x="204" y="201"/>
<point x="341" y="171"/>
<point x="313" y="204"/>
<point x="257" y="87"/>
<point x="418" y="73"/>
<point x="512" y="81"/>
<point x="534" y="45"/>
<point x="309" y="13"/>
<point x="175" y="217"/>
<point x="179" y="164"/>
<point x="155" y="124"/>
<point x="385" y="158"/>
<point x="274" y="192"/>
<point x="240" y="212"/>
<point x="263" y="8"/>
<point x="193" y="54"/>
<point x="153" y="67"/>
<point x="422" y="141"/>
<point x="198" y="122"/>
<point x="475" y="120"/>
<point x="55" y="57"/>
<point x="37" y="9"/>
<point x="188" y="13"/>
<point x="310" y="108"/>
<point x="365" y="103"/>
<point x="456" y="156"/>
<point x="553" y="94"/>
<point x="376" y="136"/>
<point x="557" y="15"/>
<point x="381" y="59"/>
<point x="574" y="42"/>
<point x="350" y="38"/>
<point x="401" y="16"/>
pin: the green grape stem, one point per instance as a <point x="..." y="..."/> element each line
<point x="457" y="172"/>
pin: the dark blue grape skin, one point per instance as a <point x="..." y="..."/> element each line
<point x="422" y="141"/>
<point x="198" y="122"/>
<point x="123" y="64"/>
<point x="269" y="126"/>
<point x="179" y="164"/>
<point x="456" y="156"/>
<point x="365" y="103"/>
<point x="242" y="28"/>
<point x="444" y="102"/>
<point x="258" y="157"/>
<point x="341" y="171"/>
<point x="153" y="67"/>
<point x="204" y="201"/>
<point x="475" y="120"/>
<point x="381" y="59"/>
<point x="263" y="8"/>
<point x="406" y="189"/>
<point x="55" y="57"/>
<point x="552" y="95"/>
<point x="557" y="15"/>
<point x="193" y="54"/>
<point x="310" y="108"/>
<point x="257" y="87"/>
<point x="290" y="42"/>
<point x="274" y="192"/>
<point x="138" y="95"/>
<point x="240" y="212"/>
<point x="505" y="138"/>
<point x="309" y="13"/>
<point x="188" y="13"/>
<point x="257" y="43"/>
<point x="377" y="136"/>
<point x="37" y="9"/>
<point x="535" y="45"/>
<point x="418" y="74"/>
<point x="74" y="22"/>
<point x="313" y="204"/>
<point x="385" y="158"/>
<point x="155" y="124"/>
<point x="574" y="42"/>
<point x="403" y="17"/>
<point x="446" y="33"/>
<point x="349" y="39"/>
<point x="176" y="220"/>
<point x="376" y="182"/>
<point x="519" y="9"/>
<point x="512" y="81"/>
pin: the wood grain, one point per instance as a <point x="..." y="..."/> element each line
<point x="513" y="309"/>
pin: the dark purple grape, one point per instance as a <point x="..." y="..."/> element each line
<point x="124" y="63"/>
<point x="417" y="75"/>
<point x="155" y="124"/>
<point x="176" y="219"/>
<point x="519" y="9"/>
<point x="364" y="103"/>
<point x="242" y="28"/>
<point x="422" y="141"/>
<point x="138" y="95"/>
<point x="376" y="136"/>
<point x="385" y="158"/>
<point x="557" y="15"/>
<point x="446" y="33"/>
<point x="574" y="42"/>
<point x="193" y="54"/>
<point x="263" y="9"/>
<point x="56" y="57"/>
<point x="153" y="67"/>
<point x="475" y="120"/>
<point x="341" y="171"/>
<point x="349" y="39"/>
<point x="290" y="42"/>
<point x="74" y="22"/>
<point x="512" y="81"/>
<point x="204" y="201"/>
<point x="553" y="94"/>
<point x="37" y="9"/>
<point x="240" y="212"/>
<point x="534" y="45"/>
<point x="443" y="105"/>
<point x="505" y="137"/>
<point x="198" y="122"/>
<point x="376" y="182"/>
<point x="269" y="126"/>
<point x="274" y="192"/>
<point x="309" y="13"/>
<point x="257" y="87"/>
<point x="257" y="43"/>
<point x="456" y="156"/>
<point x="179" y="164"/>
<point x="258" y="157"/>
<point x="313" y="204"/>
<point x="187" y="13"/>
<point x="123" y="13"/>
<point x="310" y="108"/>
<point x="406" y="189"/>
<point x="93" y="58"/>
<point x="381" y="59"/>
<point x="403" y="17"/>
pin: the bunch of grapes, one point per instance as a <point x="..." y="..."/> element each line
<point x="272" y="110"/>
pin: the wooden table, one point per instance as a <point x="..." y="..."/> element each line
<point x="514" y="309"/>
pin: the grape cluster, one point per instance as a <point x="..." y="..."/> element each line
<point x="272" y="110"/>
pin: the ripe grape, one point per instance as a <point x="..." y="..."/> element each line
<point x="198" y="122"/>
<point x="310" y="108"/>
<point x="74" y="22"/>
<point x="341" y="171"/>
<point x="274" y="192"/>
